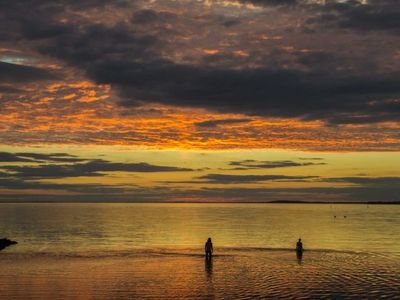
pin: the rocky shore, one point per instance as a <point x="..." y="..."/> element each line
<point x="5" y="243"/>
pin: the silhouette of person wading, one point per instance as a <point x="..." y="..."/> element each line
<point x="299" y="249"/>
<point x="208" y="248"/>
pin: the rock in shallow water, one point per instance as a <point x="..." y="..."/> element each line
<point x="5" y="243"/>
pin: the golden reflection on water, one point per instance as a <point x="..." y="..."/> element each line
<point x="116" y="227"/>
<point x="235" y="275"/>
<point x="114" y="251"/>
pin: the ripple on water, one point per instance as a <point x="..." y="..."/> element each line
<point x="242" y="275"/>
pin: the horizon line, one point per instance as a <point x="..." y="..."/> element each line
<point x="207" y="202"/>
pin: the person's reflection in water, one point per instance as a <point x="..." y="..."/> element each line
<point x="208" y="248"/>
<point x="299" y="251"/>
<point x="299" y="258"/>
<point x="208" y="264"/>
<point x="209" y="284"/>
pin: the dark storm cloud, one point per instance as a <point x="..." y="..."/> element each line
<point x="132" y="62"/>
<point x="381" y="15"/>
<point x="91" y="168"/>
<point x="110" y="42"/>
<point x="96" y="192"/>
<point x="12" y="157"/>
<point x="328" y="94"/>
<point x="317" y="59"/>
<point x="238" y="179"/>
<point x="146" y="16"/>
<point x="375" y="15"/>
<point x="51" y="157"/>
<point x="40" y="19"/>
<point x="215" y="123"/>
<point x="255" y="164"/>
<point x="38" y="157"/>
<point x="18" y="184"/>
<point x="334" y="96"/>
<point x="13" y="73"/>
<point x="271" y="2"/>
<point x="4" y="89"/>
<point x="231" y="23"/>
<point x="57" y="6"/>
<point x="367" y="181"/>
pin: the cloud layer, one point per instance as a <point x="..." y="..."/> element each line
<point x="254" y="164"/>
<point x="145" y="58"/>
<point x="57" y="176"/>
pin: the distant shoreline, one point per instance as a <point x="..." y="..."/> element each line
<point x="203" y="202"/>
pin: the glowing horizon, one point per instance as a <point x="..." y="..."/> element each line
<point x="199" y="101"/>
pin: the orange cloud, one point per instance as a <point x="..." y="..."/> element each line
<point x="91" y="117"/>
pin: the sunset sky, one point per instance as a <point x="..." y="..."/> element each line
<point x="200" y="100"/>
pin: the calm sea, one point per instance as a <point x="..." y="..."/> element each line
<point x="114" y="251"/>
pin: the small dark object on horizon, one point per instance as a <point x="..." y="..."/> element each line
<point x="6" y="242"/>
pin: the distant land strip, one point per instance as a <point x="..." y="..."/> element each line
<point x="206" y="202"/>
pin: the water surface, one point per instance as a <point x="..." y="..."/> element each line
<point x="106" y="251"/>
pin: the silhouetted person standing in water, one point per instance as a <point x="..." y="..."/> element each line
<point x="208" y="248"/>
<point x="299" y="249"/>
